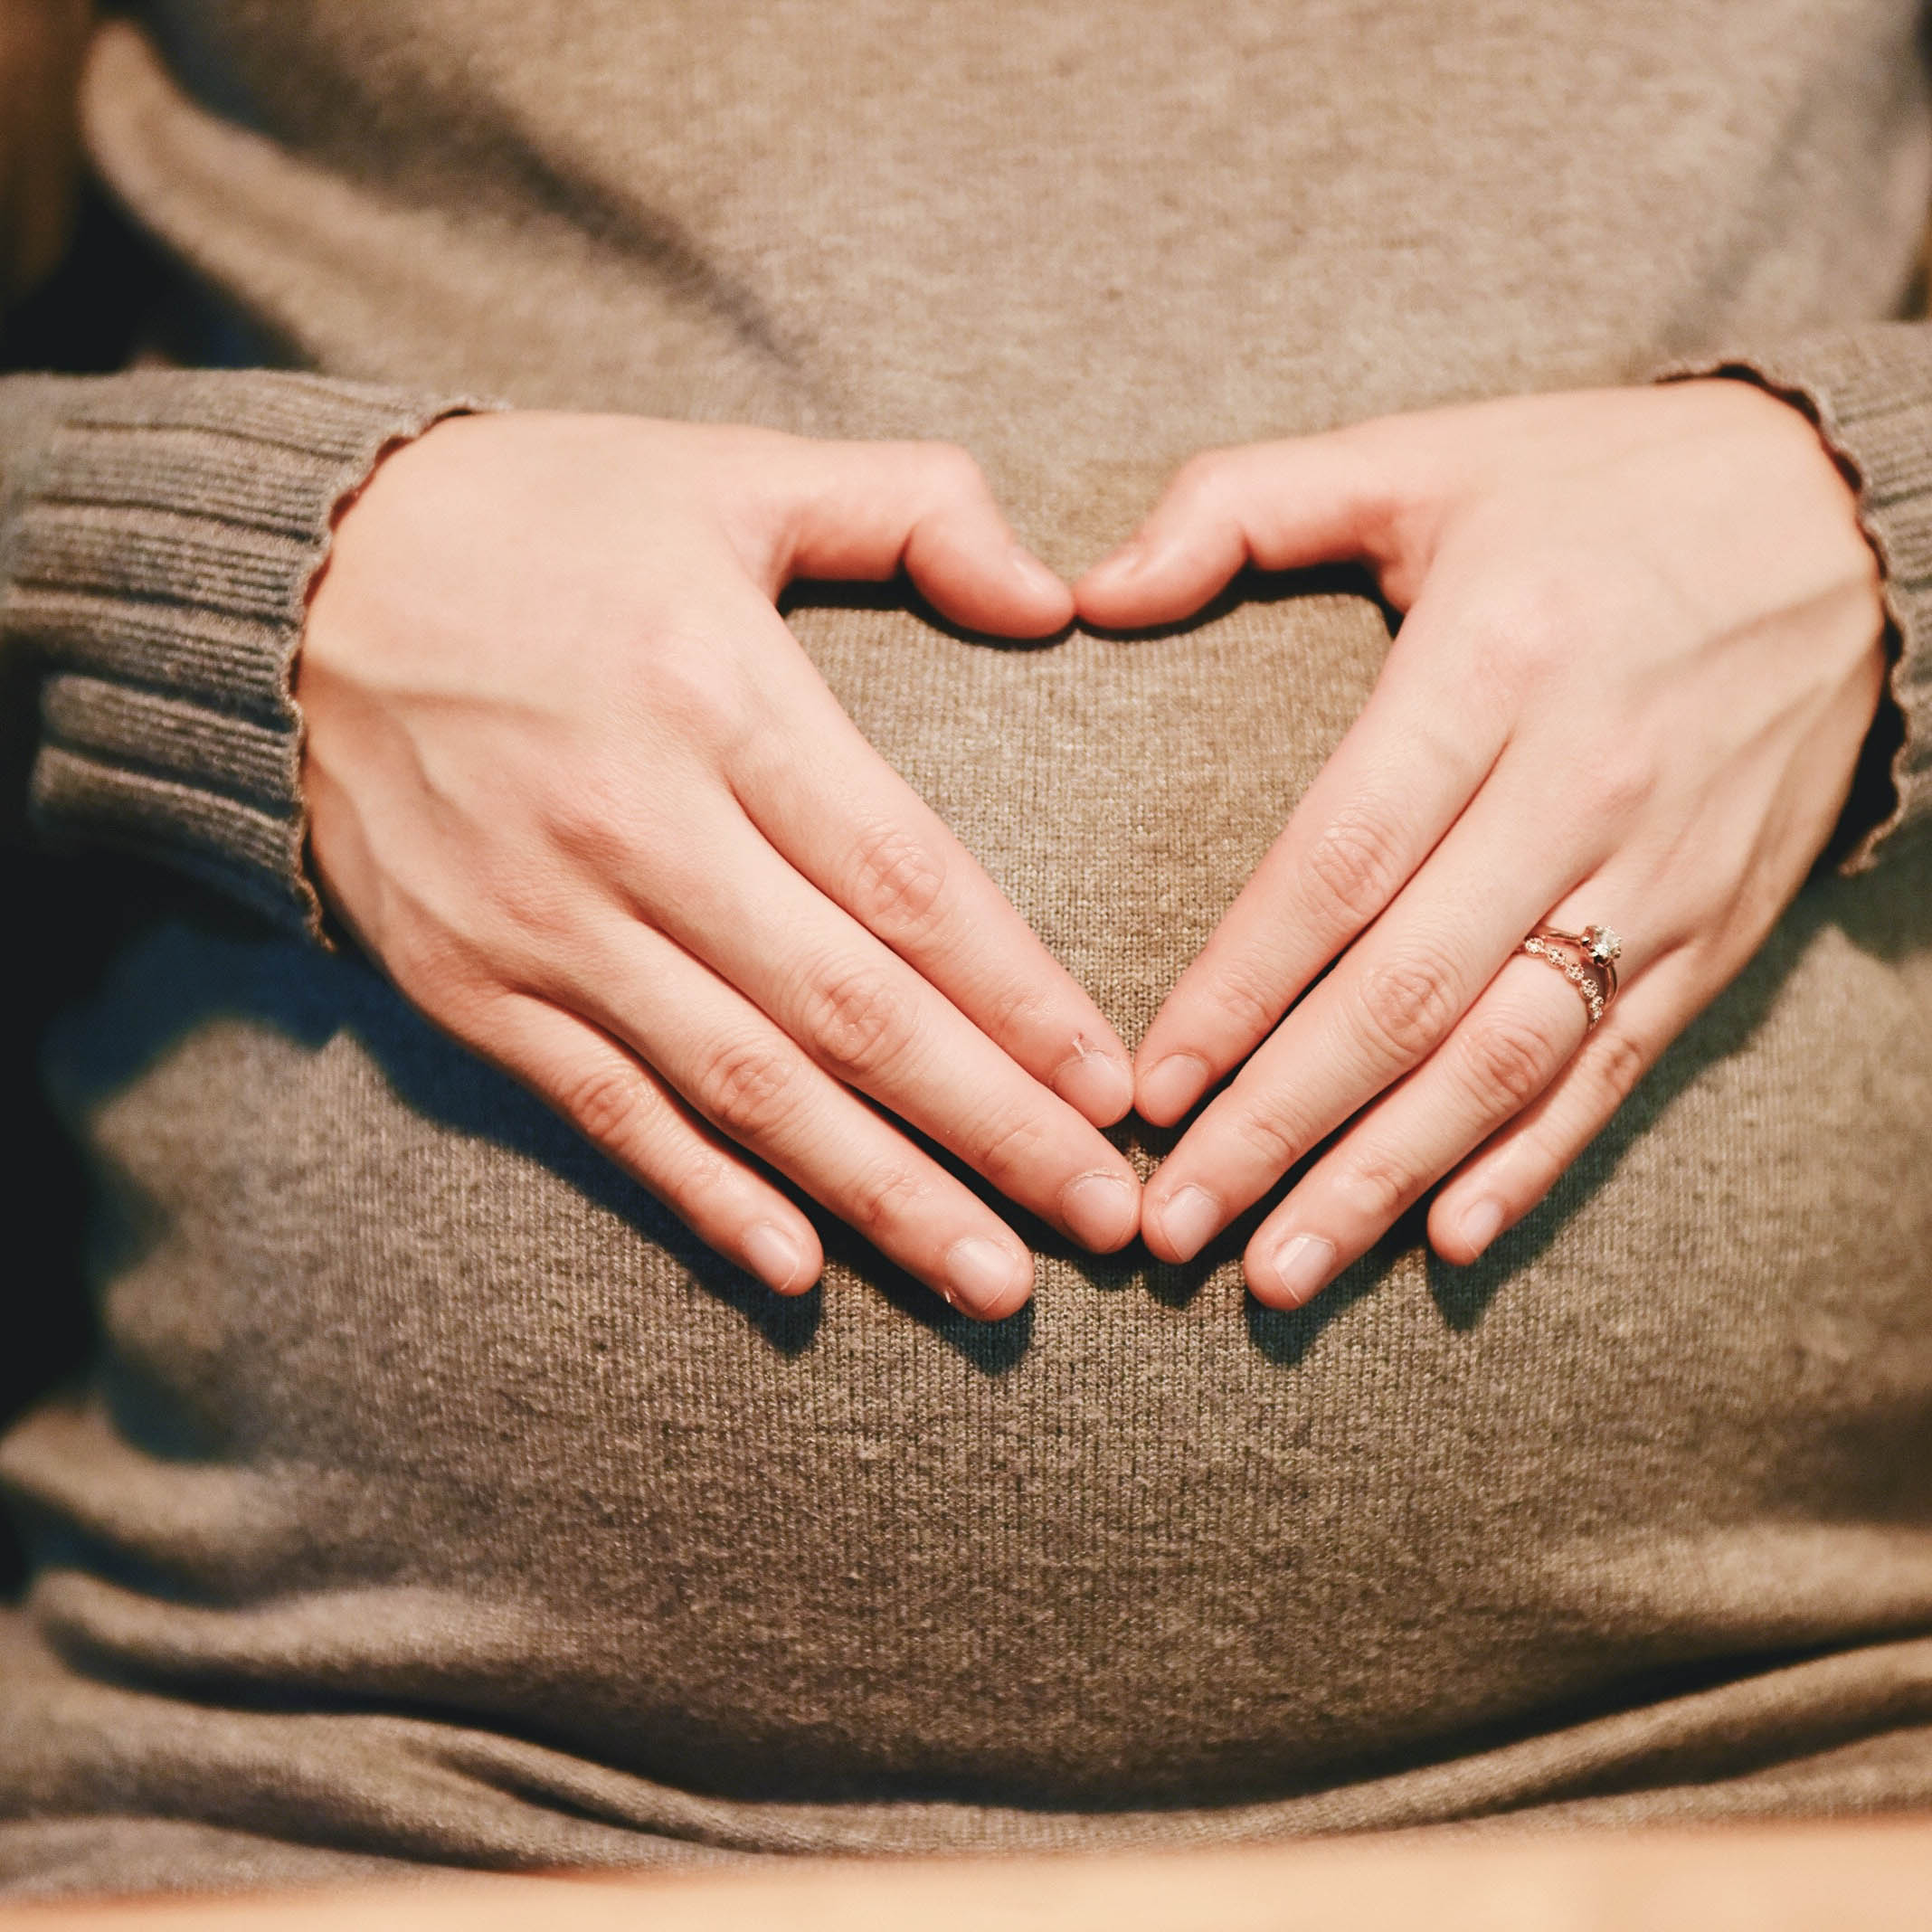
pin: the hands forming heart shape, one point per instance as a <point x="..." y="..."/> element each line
<point x="577" y="789"/>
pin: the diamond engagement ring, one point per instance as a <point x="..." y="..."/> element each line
<point x="1587" y="960"/>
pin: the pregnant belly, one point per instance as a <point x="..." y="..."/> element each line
<point x="411" y="1401"/>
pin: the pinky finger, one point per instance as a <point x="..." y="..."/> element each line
<point x="1515" y="1167"/>
<point x="622" y="1108"/>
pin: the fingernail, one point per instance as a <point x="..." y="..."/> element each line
<point x="984" y="1276"/>
<point x="1172" y="1085"/>
<point x="775" y="1258"/>
<point x="1037" y="578"/>
<point x="1100" y="1209"/>
<point x="1098" y="1084"/>
<point x="1126" y="560"/>
<point x="1188" y="1219"/>
<point x="1302" y="1265"/>
<point x="1480" y="1223"/>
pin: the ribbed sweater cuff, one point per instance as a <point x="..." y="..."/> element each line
<point x="159" y="561"/>
<point x="1869" y="390"/>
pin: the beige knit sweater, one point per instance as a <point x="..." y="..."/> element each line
<point x="437" y="1499"/>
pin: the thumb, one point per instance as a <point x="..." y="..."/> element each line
<point x="866" y="510"/>
<point x="1279" y="505"/>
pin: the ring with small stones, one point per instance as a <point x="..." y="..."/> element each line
<point x="1587" y="960"/>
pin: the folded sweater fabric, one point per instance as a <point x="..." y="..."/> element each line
<point x="436" y="1498"/>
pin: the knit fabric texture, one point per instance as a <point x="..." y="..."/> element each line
<point x="162" y="531"/>
<point x="437" y="1498"/>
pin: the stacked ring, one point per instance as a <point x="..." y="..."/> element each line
<point x="1587" y="960"/>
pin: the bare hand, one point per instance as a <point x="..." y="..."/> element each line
<point x="1644" y="645"/>
<point x="577" y="789"/>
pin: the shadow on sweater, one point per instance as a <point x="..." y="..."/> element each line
<point x="220" y="964"/>
<point x="1889" y="919"/>
<point x="186" y="973"/>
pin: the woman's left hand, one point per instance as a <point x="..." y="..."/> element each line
<point x="1643" y="646"/>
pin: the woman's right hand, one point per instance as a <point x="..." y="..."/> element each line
<point x="576" y="788"/>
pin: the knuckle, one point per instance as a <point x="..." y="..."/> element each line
<point x="1376" y="1186"/>
<point x="858" y="1022"/>
<point x="1406" y="1006"/>
<point x="1011" y="1148"/>
<point x="612" y="1107"/>
<point x="534" y="911"/>
<point x="897" y="878"/>
<point x="467" y="1007"/>
<point x="956" y="475"/>
<point x="745" y="1087"/>
<point x="1271" y="1137"/>
<point x="1514" y="1056"/>
<point x="454" y="974"/>
<point x="1241" y="992"/>
<point x="1616" y="776"/>
<point x="1531" y="628"/>
<point x="592" y="813"/>
<point x="423" y="961"/>
<point x="881" y="1199"/>
<point x="700" y="1182"/>
<point x="1021" y="1011"/>
<point x="688" y="692"/>
<point x="1376" y="474"/>
<point x="678" y="681"/>
<point x="1201" y="482"/>
<point x="1620" y="1063"/>
<point x="1354" y="867"/>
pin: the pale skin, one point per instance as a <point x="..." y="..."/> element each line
<point x="1643" y="646"/>
<point x="575" y="787"/>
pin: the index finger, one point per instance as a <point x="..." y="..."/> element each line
<point x="1414" y="759"/>
<point x="827" y="801"/>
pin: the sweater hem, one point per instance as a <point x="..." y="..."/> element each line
<point x="166" y="547"/>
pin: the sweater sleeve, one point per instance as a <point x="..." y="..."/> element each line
<point x="1869" y="390"/>
<point x="159" y="532"/>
